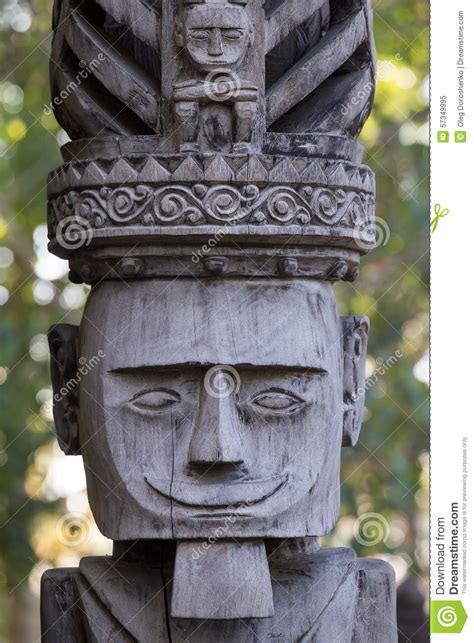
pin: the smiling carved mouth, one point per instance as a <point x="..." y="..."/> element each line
<point x="197" y="494"/>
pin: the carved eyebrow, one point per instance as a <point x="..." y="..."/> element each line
<point x="277" y="368"/>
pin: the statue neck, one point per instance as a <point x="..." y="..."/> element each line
<point x="164" y="550"/>
<point x="290" y="548"/>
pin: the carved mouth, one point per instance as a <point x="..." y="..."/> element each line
<point x="197" y="494"/>
<point x="218" y="63"/>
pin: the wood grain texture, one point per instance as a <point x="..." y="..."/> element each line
<point x="316" y="66"/>
<point x="356" y="334"/>
<point x="216" y="396"/>
<point x="60" y="616"/>
<point x="283" y="17"/>
<point x="103" y="79"/>
<point x="142" y="18"/>
<point x="123" y="78"/>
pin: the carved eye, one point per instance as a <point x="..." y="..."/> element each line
<point x="156" y="401"/>
<point x="277" y="402"/>
<point x="199" y="34"/>
<point x="232" y="34"/>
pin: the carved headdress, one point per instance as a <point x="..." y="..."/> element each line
<point x="264" y="179"/>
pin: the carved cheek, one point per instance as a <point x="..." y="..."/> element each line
<point x="234" y="51"/>
<point x="197" y="45"/>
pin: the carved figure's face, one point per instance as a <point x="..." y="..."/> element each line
<point x="215" y="36"/>
<point x="216" y="405"/>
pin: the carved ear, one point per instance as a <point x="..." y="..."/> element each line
<point x="63" y="353"/>
<point x="178" y="34"/>
<point x="252" y="34"/>
<point x="355" y="336"/>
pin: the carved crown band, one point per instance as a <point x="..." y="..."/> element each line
<point x="186" y="199"/>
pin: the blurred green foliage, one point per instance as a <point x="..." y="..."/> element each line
<point x="386" y="473"/>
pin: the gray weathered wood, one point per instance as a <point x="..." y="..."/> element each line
<point x="221" y="580"/>
<point x="318" y="65"/>
<point x="319" y="596"/>
<point x="60" y="621"/>
<point x="284" y="17"/>
<point x="282" y="371"/>
<point x="143" y="18"/>
<point x="125" y="79"/>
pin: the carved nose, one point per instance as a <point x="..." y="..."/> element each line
<point x="216" y="436"/>
<point x="215" y="43"/>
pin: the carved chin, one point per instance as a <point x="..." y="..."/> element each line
<point x="196" y="494"/>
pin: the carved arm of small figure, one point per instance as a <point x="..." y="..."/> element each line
<point x="227" y="93"/>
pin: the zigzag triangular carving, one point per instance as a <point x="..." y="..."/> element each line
<point x="219" y="170"/>
<point x="252" y="171"/>
<point x="285" y="172"/>
<point x="122" y="172"/>
<point x="314" y="174"/>
<point x="339" y="176"/>
<point x="188" y="170"/>
<point x="153" y="171"/>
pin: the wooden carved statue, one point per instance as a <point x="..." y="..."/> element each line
<point x="211" y="194"/>
<point x="216" y="105"/>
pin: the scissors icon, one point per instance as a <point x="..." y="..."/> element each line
<point x="439" y="214"/>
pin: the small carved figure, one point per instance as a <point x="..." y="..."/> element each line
<point x="216" y="36"/>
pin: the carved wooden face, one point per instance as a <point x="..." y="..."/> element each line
<point x="215" y="36"/>
<point x="217" y="404"/>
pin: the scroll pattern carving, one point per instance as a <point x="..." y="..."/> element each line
<point x="213" y="205"/>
